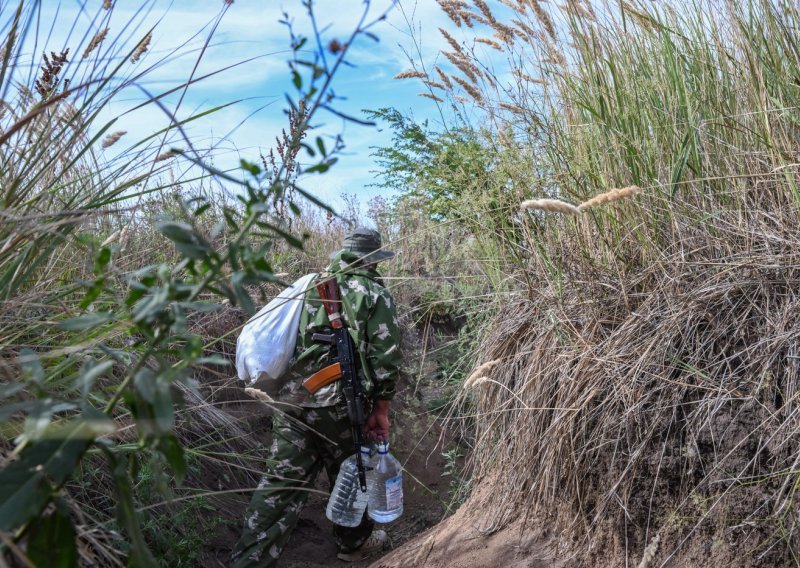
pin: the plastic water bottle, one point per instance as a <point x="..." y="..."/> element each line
<point x="385" y="489"/>
<point x="347" y="503"/>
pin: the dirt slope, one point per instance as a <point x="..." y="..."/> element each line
<point x="462" y="541"/>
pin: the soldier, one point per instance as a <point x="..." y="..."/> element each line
<point x="313" y="432"/>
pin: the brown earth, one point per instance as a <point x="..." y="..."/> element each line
<point x="416" y="442"/>
<point x="467" y="539"/>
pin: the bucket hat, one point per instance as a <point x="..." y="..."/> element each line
<point x="366" y="243"/>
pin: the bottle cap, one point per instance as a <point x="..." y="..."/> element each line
<point x="365" y="450"/>
<point x="383" y="447"/>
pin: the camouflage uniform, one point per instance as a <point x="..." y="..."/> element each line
<point x="314" y="432"/>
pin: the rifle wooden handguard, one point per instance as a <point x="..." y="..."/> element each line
<point x="323" y="377"/>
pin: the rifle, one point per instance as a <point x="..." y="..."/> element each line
<point x="345" y="367"/>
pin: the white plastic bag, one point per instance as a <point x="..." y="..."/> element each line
<point x="268" y="340"/>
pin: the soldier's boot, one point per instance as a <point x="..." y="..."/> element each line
<point x="373" y="545"/>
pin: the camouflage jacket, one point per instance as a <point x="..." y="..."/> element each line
<point x="370" y="316"/>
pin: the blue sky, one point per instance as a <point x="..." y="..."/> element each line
<point x="250" y="28"/>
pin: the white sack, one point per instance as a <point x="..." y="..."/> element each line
<point x="268" y="339"/>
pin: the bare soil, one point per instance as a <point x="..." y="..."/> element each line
<point x="416" y="442"/>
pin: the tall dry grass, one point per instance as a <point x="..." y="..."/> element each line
<point x="648" y="384"/>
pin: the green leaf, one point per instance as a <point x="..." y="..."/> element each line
<point x="297" y="80"/>
<point x="88" y="321"/>
<point x="32" y="370"/>
<point x="51" y="541"/>
<point x="321" y="146"/>
<point x="202" y="209"/>
<point x="10" y="389"/>
<point x="186" y="239"/>
<point x="25" y="484"/>
<point x="213" y="360"/>
<point x="126" y="512"/>
<point x="145" y="384"/>
<point x="171" y="449"/>
<point x="93" y="293"/>
<point x="250" y="167"/>
<point x="89" y="373"/>
<point x="103" y="258"/>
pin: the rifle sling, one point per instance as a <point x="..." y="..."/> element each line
<point x="323" y="377"/>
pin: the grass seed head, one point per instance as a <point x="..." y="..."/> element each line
<point x="550" y="205"/>
<point x="430" y="96"/>
<point x="410" y="75"/>
<point x="490" y="42"/>
<point x="443" y="76"/>
<point x="96" y="41"/>
<point x="609" y="196"/>
<point x="142" y="47"/>
<point x="113" y="138"/>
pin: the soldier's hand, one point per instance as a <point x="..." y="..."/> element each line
<point x="377" y="425"/>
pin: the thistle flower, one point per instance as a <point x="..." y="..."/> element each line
<point x="609" y="196"/>
<point x="551" y="205"/>
<point x="113" y="138"/>
<point x="107" y="4"/>
<point x="142" y="47"/>
<point x="410" y="75"/>
<point x="96" y="41"/>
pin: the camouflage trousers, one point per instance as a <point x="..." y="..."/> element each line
<point x="303" y="442"/>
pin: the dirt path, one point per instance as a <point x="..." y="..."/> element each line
<point x="415" y="441"/>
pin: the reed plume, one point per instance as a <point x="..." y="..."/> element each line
<point x="550" y="205"/>
<point x="96" y="41"/>
<point x="410" y="75"/>
<point x="113" y="138"/>
<point x="142" y="47"/>
<point x="609" y="196"/>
